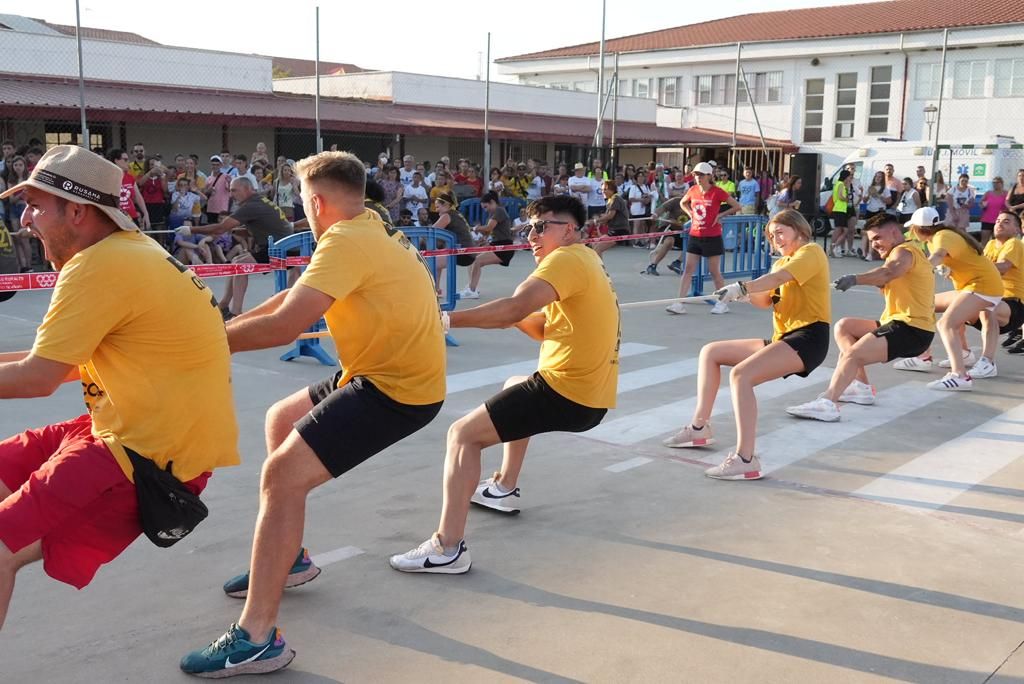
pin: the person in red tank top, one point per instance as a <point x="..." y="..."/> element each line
<point x="703" y="202"/>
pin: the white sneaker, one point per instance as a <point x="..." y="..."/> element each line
<point x="469" y="294"/>
<point x="735" y="468"/>
<point x="983" y="369"/>
<point x="913" y="363"/>
<point x="688" y="437"/>
<point x="951" y="382"/>
<point x="969" y="359"/>
<point x="819" y="409"/>
<point x="676" y="308"/>
<point x="720" y="307"/>
<point x="488" y="495"/>
<point x="858" y="393"/>
<point x="429" y="557"/>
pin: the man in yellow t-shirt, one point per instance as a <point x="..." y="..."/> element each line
<point x="573" y="388"/>
<point x="154" y="368"/>
<point x="1006" y="251"/>
<point x="905" y="329"/>
<point x="378" y="298"/>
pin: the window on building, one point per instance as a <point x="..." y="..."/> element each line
<point x="846" y="104"/>
<point x="71" y="134"/>
<point x="625" y="87"/>
<point x="766" y="86"/>
<point x="719" y="89"/>
<point x="814" y="109"/>
<point x="1009" y="81"/>
<point x="927" y="84"/>
<point x="878" y="108"/>
<point x="969" y="79"/>
<point x="643" y="87"/>
<point x="667" y="92"/>
<point x="702" y="90"/>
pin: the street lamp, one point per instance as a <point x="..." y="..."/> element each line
<point x="930" y="111"/>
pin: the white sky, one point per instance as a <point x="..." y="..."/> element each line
<point x="444" y="38"/>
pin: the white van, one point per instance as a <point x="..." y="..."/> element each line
<point x="981" y="161"/>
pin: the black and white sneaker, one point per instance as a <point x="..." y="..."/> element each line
<point x="489" y="495"/>
<point x="1012" y="339"/>
<point x="429" y="557"/>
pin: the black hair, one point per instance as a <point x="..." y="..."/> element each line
<point x="489" y="196"/>
<point x="879" y="221"/>
<point x="566" y="205"/>
<point x="114" y="154"/>
<point x="374" y="191"/>
<point x="405" y="212"/>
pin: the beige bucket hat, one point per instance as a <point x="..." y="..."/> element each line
<point x="80" y="176"/>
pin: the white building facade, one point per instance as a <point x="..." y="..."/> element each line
<point x="832" y="96"/>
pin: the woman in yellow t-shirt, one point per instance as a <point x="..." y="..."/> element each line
<point x="797" y="290"/>
<point x="978" y="293"/>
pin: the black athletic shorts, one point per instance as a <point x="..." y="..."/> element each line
<point x="810" y="343"/>
<point x="464" y="259"/>
<point x="904" y="340"/>
<point x="533" y="407"/>
<point x="346" y="426"/>
<point x="616" y="232"/>
<point x="1016" y="316"/>
<point x="706" y="246"/>
<point x="505" y="256"/>
<point x="677" y="241"/>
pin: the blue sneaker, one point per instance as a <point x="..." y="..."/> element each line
<point x="233" y="654"/>
<point x="303" y="570"/>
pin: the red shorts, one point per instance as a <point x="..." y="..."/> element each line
<point x="69" y="492"/>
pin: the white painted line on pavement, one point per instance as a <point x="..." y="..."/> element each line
<point x="804" y="437"/>
<point x="344" y="553"/>
<point x="628" y="465"/>
<point x="953" y="467"/>
<point x="637" y="427"/>
<point x="654" y="375"/>
<point x="495" y="375"/>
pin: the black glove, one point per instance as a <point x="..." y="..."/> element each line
<point x="845" y="282"/>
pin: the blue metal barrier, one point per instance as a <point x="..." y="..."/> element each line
<point x="747" y="252"/>
<point x="304" y="243"/>
<point x="474" y="213"/>
<point x="427" y="238"/>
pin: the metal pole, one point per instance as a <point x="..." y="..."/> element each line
<point x="938" y="114"/>
<point x="487" y="112"/>
<point x="736" y="95"/>
<point x="81" y="77"/>
<point x="615" y="109"/>
<point x="316" y="105"/>
<point x="599" y="135"/>
<point x="757" y="120"/>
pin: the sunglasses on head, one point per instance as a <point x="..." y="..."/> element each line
<point x="539" y="226"/>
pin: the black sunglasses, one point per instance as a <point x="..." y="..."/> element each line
<point x="540" y="226"/>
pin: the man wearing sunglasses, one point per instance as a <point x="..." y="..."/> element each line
<point x="569" y="305"/>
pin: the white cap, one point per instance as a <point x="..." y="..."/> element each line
<point x="704" y="168"/>
<point x="925" y="217"/>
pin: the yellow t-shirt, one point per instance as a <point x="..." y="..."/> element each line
<point x="970" y="271"/>
<point x="384" y="320"/>
<point x="911" y="297"/>
<point x="579" y="357"/>
<point x="805" y="299"/>
<point x="150" y="345"/>
<point x="1011" y="251"/>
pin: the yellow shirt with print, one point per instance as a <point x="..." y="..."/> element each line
<point x="1011" y="251"/>
<point x="150" y="344"/>
<point x="805" y="299"/>
<point x="385" y="321"/>
<point x="911" y="297"/>
<point x="579" y="357"/>
<point x="970" y="271"/>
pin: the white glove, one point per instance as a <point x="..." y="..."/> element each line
<point x="942" y="270"/>
<point x="183" y="231"/>
<point x="731" y="292"/>
<point x="445" y="321"/>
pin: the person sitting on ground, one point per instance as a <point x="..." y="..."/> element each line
<point x="905" y="328"/>
<point x="499" y="231"/>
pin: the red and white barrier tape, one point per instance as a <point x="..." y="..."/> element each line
<point x="14" y="282"/>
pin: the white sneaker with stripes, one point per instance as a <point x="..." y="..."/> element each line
<point x="951" y="382"/>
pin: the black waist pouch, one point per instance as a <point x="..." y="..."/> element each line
<point x="168" y="510"/>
